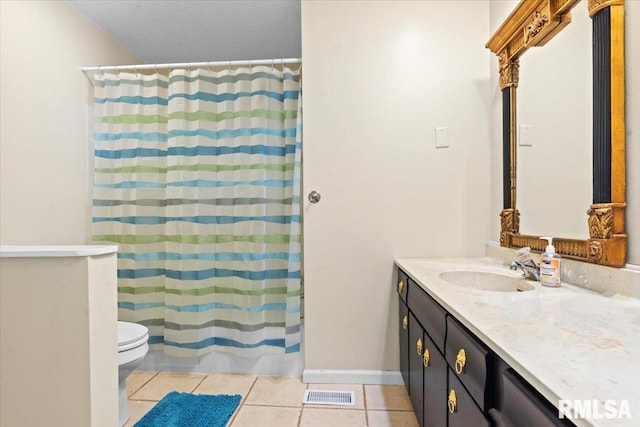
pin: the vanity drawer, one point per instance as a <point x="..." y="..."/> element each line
<point x="402" y="285"/>
<point x="470" y="361"/>
<point x="429" y="313"/>
<point x="520" y="405"/>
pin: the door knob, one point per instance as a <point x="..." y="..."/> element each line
<point x="314" y="197"/>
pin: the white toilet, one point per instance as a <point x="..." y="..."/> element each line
<point x="132" y="347"/>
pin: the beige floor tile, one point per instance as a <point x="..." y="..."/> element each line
<point x="387" y="397"/>
<point x="266" y="416"/>
<point x="314" y="417"/>
<point x="392" y="419"/>
<point x="137" y="409"/>
<point x="137" y="379"/>
<point x="166" y="382"/>
<point x="356" y="388"/>
<point x="226" y="384"/>
<point x="277" y="391"/>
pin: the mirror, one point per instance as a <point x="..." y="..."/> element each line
<point x="550" y="166"/>
<point x="554" y="132"/>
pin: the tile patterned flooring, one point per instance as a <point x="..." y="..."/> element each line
<point x="276" y="401"/>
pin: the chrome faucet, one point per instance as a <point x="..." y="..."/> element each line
<point x="530" y="270"/>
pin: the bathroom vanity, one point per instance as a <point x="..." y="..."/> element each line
<point x="476" y="357"/>
<point x="59" y="346"/>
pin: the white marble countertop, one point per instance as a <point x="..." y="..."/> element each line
<point x="568" y="342"/>
<point x="12" y="251"/>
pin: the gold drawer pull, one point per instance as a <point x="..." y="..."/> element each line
<point x="425" y="357"/>
<point x="461" y="359"/>
<point x="419" y="346"/>
<point x="405" y="322"/>
<point x="452" y="402"/>
<point x="400" y="286"/>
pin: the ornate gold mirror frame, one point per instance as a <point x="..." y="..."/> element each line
<point x="534" y="23"/>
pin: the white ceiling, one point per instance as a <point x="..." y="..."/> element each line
<point x="164" y="31"/>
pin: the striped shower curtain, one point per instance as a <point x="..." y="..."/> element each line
<point x="197" y="180"/>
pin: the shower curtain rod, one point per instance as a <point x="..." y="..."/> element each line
<point x="192" y="64"/>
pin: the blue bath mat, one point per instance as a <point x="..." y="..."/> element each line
<point x="191" y="410"/>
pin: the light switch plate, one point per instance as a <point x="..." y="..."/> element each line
<point x="524" y="136"/>
<point x="442" y="137"/>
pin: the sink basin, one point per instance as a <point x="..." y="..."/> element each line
<point x="486" y="281"/>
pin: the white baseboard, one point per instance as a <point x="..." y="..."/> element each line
<point x="217" y="362"/>
<point x="327" y="376"/>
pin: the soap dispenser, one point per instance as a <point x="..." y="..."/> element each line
<point x="550" y="265"/>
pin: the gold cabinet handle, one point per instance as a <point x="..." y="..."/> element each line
<point x="452" y="402"/>
<point x="400" y="286"/>
<point x="405" y="322"/>
<point x="419" y="346"/>
<point x="461" y="360"/>
<point x="425" y="357"/>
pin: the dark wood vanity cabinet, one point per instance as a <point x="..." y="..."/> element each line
<point x="463" y="411"/>
<point x="403" y="328"/>
<point x="427" y="377"/>
<point x="453" y="378"/>
<point x="471" y="362"/>
<point x="416" y="375"/>
<point x="519" y="404"/>
<point x="404" y="342"/>
<point x="434" y="389"/>
<point x="422" y="342"/>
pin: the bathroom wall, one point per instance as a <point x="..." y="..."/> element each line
<point x="379" y="77"/>
<point x="499" y="10"/>
<point x="44" y="193"/>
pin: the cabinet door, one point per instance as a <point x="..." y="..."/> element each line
<point x="472" y="362"/>
<point x="463" y="411"/>
<point x="435" y="385"/>
<point x="404" y="342"/>
<point x="416" y="371"/>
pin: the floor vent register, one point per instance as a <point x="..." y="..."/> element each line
<point x="329" y="397"/>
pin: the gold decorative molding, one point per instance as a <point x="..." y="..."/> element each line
<point x="606" y="220"/>
<point x="600" y="222"/>
<point x="534" y="23"/>
<point x="595" y="250"/>
<point x="510" y="220"/>
<point x="538" y="21"/>
<point x="596" y="6"/>
<point x="608" y="251"/>
<point x="509" y="72"/>
<point x="570" y="248"/>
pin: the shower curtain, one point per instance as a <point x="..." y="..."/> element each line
<point x="197" y="180"/>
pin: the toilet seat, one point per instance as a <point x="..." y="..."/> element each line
<point x="131" y="335"/>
